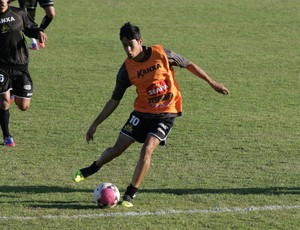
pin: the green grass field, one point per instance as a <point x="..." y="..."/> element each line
<point x="232" y="162"/>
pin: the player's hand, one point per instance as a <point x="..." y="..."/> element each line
<point x="90" y="134"/>
<point x="220" y="88"/>
<point x="42" y="37"/>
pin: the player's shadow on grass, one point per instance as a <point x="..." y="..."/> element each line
<point x="241" y="191"/>
<point x="10" y="192"/>
<point x="40" y="189"/>
<point x="64" y="205"/>
<point x="237" y="191"/>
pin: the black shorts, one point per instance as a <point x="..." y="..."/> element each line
<point x="138" y="128"/>
<point x="19" y="82"/>
<point x="32" y="4"/>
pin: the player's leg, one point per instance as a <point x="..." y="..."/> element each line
<point x="141" y="169"/>
<point x="122" y="143"/>
<point x="31" y="10"/>
<point x="50" y="14"/>
<point x="22" y="103"/>
<point x="48" y="6"/>
<point x="157" y="131"/>
<point x="5" y="88"/>
<point x="143" y="164"/>
<point x="22" y="4"/>
<point x="22" y="89"/>
<point x="4" y="118"/>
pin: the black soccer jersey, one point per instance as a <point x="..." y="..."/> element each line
<point x="14" y="23"/>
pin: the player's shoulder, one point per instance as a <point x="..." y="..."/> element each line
<point x="122" y="71"/>
<point x="122" y="67"/>
<point x="161" y="47"/>
<point x="17" y="10"/>
<point x="14" y="8"/>
<point x="156" y="46"/>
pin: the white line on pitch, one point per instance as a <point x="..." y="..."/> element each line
<point x="157" y="213"/>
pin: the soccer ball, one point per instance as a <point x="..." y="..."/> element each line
<point x="106" y="195"/>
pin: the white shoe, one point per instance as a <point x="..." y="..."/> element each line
<point x="34" y="44"/>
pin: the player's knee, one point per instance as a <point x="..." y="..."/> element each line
<point x="23" y="107"/>
<point x="23" y="104"/>
<point x="148" y="150"/>
<point x="51" y="15"/>
<point x="146" y="154"/>
<point x="116" y="151"/>
<point x="50" y="12"/>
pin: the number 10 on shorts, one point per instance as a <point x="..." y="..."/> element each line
<point x="134" y="120"/>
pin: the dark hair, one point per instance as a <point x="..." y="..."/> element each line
<point x="130" y="31"/>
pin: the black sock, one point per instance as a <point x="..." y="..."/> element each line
<point x="88" y="171"/>
<point x="131" y="191"/>
<point x="31" y="12"/>
<point x="4" y="122"/>
<point x="45" y="22"/>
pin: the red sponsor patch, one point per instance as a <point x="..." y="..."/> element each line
<point x="158" y="88"/>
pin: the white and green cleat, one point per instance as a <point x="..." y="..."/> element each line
<point x="126" y="204"/>
<point x="78" y="176"/>
<point x="127" y="201"/>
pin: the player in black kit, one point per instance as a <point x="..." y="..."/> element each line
<point x="48" y="6"/>
<point x="14" y="56"/>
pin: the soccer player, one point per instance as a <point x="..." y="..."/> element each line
<point x="158" y="103"/>
<point x="48" y="6"/>
<point x="14" y="56"/>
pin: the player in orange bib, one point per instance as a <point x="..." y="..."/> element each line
<point x="157" y="104"/>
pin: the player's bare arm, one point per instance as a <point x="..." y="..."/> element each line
<point x="196" y="70"/>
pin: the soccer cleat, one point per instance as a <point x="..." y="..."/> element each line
<point x="126" y="204"/>
<point x="42" y="44"/>
<point x="12" y="98"/>
<point x="9" y="141"/>
<point x="78" y="176"/>
<point x="127" y="201"/>
<point x="34" y="44"/>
